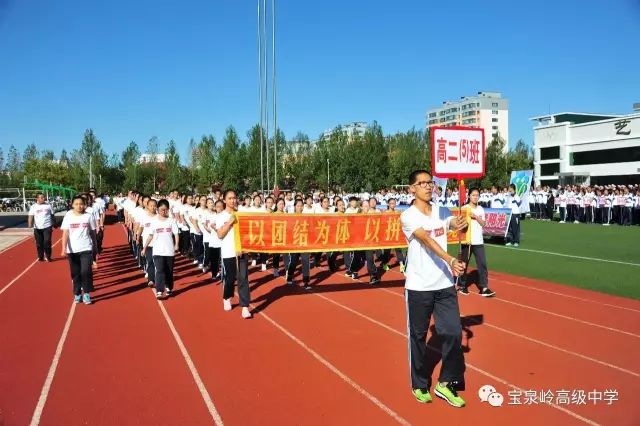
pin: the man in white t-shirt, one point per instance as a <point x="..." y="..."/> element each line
<point x="41" y="218"/>
<point x="235" y="265"/>
<point x="429" y="289"/>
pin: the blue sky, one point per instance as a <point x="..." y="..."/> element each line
<point x="134" y="69"/>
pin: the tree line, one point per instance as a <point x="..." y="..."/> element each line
<point x="341" y="162"/>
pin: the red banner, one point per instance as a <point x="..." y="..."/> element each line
<point x="312" y="233"/>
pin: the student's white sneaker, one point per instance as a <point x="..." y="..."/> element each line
<point x="516" y="245"/>
<point x="246" y="314"/>
<point x="264" y="267"/>
<point x="253" y="262"/>
<point x="605" y="224"/>
<point x="575" y="221"/>
<point x="227" y="304"/>
<point x="508" y="245"/>
<point x="562" y="221"/>
<point x="195" y="262"/>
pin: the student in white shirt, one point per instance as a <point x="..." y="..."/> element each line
<point x="563" y="206"/>
<point x="324" y="208"/>
<point x="203" y="222"/>
<point x="386" y="254"/>
<point x="197" y="248"/>
<point x="164" y="241"/>
<point x="275" y="258"/>
<point x="294" y="257"/>
<point x="144" y="231"/>
<point x="235" y="265"/>
<point x="476" y="248"/>
<point x="214" y="243"/>
<point x="429" y="290"/>
<point x="513" y="234"/>
<point x="78" y="244"/>
<point x="41" y="219"/>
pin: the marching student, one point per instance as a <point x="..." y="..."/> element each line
<point x="580" y="206"/>
<point x="203" y="214"/>
<point x="513" y="201"/>
<point x="366" y="256"/>
<point x="303" y="257"/>
<point x="324" y="208"/>
<point x="41" y="219"/>
<point x="476" y="248"/>
<point x="163" y="239"/>
<point x="275" y="258"/>
<point x="430" y="290"/>
<point x="78" y="244"/>
<point x="215" y="243"/>
<point x="196" y="233"/>
<point x="386" y="254"/>
<point x="235" y="265"/>
<point x="185" y="228"/>
<point x="348" y="256"/>
<point x="627" y="208"/>
<point x="144" y="231"/>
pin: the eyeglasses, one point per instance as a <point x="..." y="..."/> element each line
<point x="424" y="183"/>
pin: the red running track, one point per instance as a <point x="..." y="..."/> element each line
<point x="334" y="355"/>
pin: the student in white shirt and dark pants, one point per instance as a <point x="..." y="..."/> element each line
<point x="78" y="243"/>
<point x="476" y="248"/>
<point x="41" y="218"/>
<point x="429" y="290"/>
<point x="513" y="235"/>
<point x="164" y="238"/>
<point x="235" y="266"/>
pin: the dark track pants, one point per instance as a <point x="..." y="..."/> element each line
<point x="43" y="242"/>
<point x="443" y="304"/>
<point x="236" y="268"/>
<point x="164" y="272"/>
<point x="481" y="264"/>
<point x="81" y="272"/>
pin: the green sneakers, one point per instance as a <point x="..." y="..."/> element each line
<point x="422" y="395"/>
<point x="449" y="394"/>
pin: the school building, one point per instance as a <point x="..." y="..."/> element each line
<point x="584" y="148"/>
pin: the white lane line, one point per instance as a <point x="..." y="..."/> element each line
<point x="534" y="288"/>
<point x="14" y="244"/>
<point x="44" y="393"/>
<point x="549" y="345"/>
<point x="336" y="371"/>
<point x="591" y="324"/>
<point x="24" y="272"/>
<point x="471" y="366"/>
<point x="194" y="372"/>
<point x="619" y="262"/>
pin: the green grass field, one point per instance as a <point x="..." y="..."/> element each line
<point x="614" y="243"/>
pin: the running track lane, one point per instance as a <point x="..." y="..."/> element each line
<point x="564" y="332"/>
<point x="32" y="316"/>
<point x="524" y="363"/>
<point x="18" y="258"/>
<point x="120" y="363"/>
<point x="374" y="357"/>
<point x="254" y="372"/>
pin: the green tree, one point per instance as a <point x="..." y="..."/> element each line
<point x="130" y="157"/>
<point x="14" y="165"/>
<point x="205" y="163"/>
<point x="175" y="172"/>
<point x="520" y="158"/>
<point x="30" y="153"/>
<point x="496" y="164"/>
<point x="231" y="169"/>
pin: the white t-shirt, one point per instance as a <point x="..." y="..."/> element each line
<point x="203" y="215"/>
<point x="145" y="224"/>
<point x="41" y="215"/>
<point x="164" y="232"/>
<point x="79" y="228"/>
<point x="349" y="210"/>
<point x="228" y="246"/>
<point x="214" y="241"/>
<point x="308" y="210"/>
<point x="476" y="228"/>
<point x="425" y="270"/>
<point x="138" y="213"/>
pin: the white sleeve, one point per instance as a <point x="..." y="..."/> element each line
<point x="65" y="223"/>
